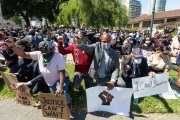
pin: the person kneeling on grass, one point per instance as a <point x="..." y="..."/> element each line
<point x="51" y="66"/>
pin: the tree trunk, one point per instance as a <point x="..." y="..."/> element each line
<point x="26" y="18"/>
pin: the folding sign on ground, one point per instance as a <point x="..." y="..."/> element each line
<point x="147" y="86"/>
<point x="23" y="96"/>
<point x="9" y="79"/>
<point x="115" y="101"/>
<point x="54" y="107"/>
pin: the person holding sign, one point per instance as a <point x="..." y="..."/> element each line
<point x="105" y="65"/>
<point x="51" y="65"/>
<point x="160" y="61"/>
<point x="136" y="66"/>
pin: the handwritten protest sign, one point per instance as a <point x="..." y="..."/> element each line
<point x="147" y="86"/>
<point x="54" y="107"/>
<point x="10" y="79"/>
<point x="23" y="96"/>
<point x="169" y="94"/>
<point x="115" y="101"/>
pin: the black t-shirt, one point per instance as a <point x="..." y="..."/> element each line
<point x="148" y="48"/>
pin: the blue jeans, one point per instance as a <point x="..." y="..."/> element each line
<point x="78" y="79"/>
<point x="65" y="89"/>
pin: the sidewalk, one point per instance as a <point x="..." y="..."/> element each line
<point x="9" y="110"/>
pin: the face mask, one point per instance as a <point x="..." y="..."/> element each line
<point x="47" y="55"/>
<point x="33" y="34"/>
<point x="106" y="46"/>
<point x="165" y="53"/>
<point x="148" y="42"/>
<point x="138" y="60"/>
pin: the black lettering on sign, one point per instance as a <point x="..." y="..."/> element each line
<point x="22" y="89"/>
<point x="24" y="102"/>
<point x="52" y="102"/>
<point x="53" y="111"/>
<point x="145" y="85"/>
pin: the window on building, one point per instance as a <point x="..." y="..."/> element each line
<point x="172" y="20"/>
<point x="8" y="23"/>
<point x="158" y="21"/>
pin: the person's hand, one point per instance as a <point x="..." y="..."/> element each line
<point x="152" y="74"/>
<point x="10" y="42"/>
<point x="78" y="39"/>
<point x="3" y="47"/>
<point x="7" y="63"/>
<point x="178" y="82"/>
<point x="59" y="91"/>
<point x="128" y="67"/>
<point x="20" y="58"/>
<point x="110" y="85"/>
<point x="20" y="84"/>
<point x="60" y="39"/>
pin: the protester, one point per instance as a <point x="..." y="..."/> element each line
<point x="159" y="62"/>
<point x="148" y="47"/>
<point x="10" y="57"/>
<point x="34" y="39"/>
<point x="81" y="59"/>
<point x="51" y="66"/>
<point x="136" y="66"/>
<point x="105" y="64"/>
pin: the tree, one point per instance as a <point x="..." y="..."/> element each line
<point x="31" y="8"/>
<point x="95" y="13"/>
<point x="17" y="20"/>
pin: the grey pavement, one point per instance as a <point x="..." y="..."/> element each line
<point x="9" y="110"/>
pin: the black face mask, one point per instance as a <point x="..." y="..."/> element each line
<point x="47" y="55"/>
<point x="33" y="34"/>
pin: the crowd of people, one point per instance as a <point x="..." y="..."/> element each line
<point x="37" y="56"/>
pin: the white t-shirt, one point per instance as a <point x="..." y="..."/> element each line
<point x="51" y="71"/>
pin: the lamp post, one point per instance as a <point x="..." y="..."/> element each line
<point x="152" y="19"/>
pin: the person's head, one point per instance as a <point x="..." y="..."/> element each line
<point x="23" y="45"/>
<point x="106" y="41"/>
<point x="148" y="40"/>
<point x="79" y="34"/>
<point x="46" y="48"/>
<point x="163" y="37"/>
<point x="126" y="43"/>
<point x="3" y="46"/>
<point x="136" y="53"/>
<point x="166" y="50"/>
<point x="159" y="51"/>
<point x="32" y="32"/>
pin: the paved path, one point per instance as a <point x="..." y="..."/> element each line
<point x="9" y="110"/>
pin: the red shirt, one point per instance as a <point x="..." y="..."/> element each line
<point x="81" y="59"/>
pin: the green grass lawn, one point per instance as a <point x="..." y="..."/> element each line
<point x="151" y="104"/>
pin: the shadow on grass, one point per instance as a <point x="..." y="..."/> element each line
<point x="170" y="110"/>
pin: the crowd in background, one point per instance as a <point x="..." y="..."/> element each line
<point x="36" y="55"/>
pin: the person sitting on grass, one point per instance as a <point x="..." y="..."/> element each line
<point x="51" y="66"/>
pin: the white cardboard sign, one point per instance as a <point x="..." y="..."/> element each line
<point x="115" y="101"/>
<point x="147" y="86"/>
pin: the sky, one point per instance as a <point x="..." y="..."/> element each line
<point x="170" y="5"/>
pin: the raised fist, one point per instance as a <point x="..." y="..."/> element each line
<point x="106" y="98"/>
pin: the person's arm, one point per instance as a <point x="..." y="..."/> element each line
<point x="62" y="78"/>
<point x="10" y="42"/>
<point x="178" y="81"/>
<point x="63" y="50"/>
<point x="87" y="48"/>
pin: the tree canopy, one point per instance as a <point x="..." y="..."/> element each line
<point x="31" y="8"/>
<point x="94" y="13"/>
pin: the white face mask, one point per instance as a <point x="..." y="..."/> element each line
<point x="138" y="60"/>
<point x="106" y="46"/>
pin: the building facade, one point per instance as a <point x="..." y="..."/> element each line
<point x="133" y="6"/>
<point x="160" y="6"/>
<point x="161" y="19"/>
